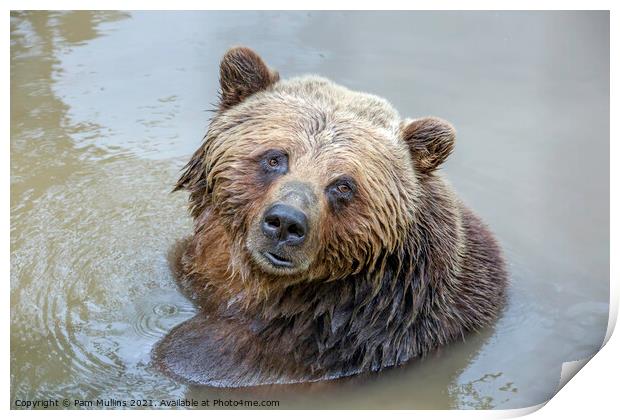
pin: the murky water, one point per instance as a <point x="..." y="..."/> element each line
<point x="106" y="107"/>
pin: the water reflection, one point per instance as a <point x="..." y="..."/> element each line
<point x="105" y="107"/>
<point x="88" y="278"/>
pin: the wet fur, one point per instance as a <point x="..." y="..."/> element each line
<point x="406" y="269"/>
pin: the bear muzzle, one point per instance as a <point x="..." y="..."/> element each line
<point x="284" y="226"/>
<point x="281" y="240"/>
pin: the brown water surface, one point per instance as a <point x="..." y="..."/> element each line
<point x="106" y="107"/>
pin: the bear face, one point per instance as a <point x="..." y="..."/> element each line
<point x="325" y="244"/>
<point x="310" y="181"/>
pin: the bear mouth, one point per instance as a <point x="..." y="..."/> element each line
<point x="277" y="260"/>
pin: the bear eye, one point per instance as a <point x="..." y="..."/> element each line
<point x="274" y="162"/>
<point x="343" y="189"/>
<point x="340" y="192"/>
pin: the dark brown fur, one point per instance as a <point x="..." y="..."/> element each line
<point x="400" y="271"/>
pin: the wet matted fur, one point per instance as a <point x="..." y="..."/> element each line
<point x="392" y="265"/>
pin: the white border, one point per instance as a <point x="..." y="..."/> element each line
<point x="311" y="5"/>
<point x="593" y="394"/>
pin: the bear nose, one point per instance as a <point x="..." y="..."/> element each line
<point x="286" y="224"/>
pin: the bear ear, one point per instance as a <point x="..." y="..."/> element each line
<point x="430" y="142"/>
<point x="243" y="73"/>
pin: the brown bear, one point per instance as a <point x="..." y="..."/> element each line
<point x="325" y="243"/>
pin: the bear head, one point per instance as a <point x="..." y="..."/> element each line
<point x="308" y="180"/>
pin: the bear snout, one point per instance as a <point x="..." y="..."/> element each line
<point x="285" y="225"/>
